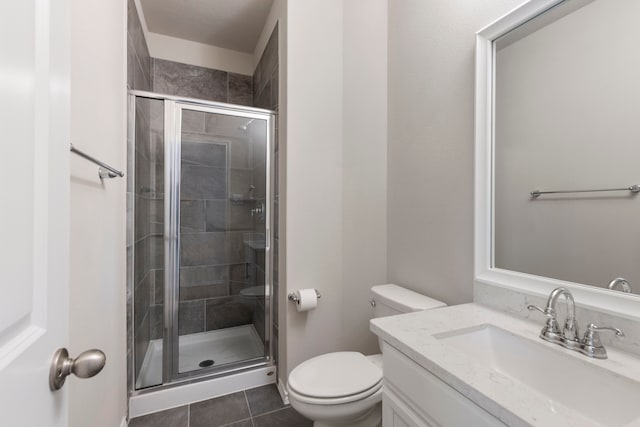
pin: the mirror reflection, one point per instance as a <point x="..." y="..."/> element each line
<point x="567" y="117"/>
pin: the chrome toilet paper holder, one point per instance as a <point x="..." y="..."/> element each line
<point x="291" y="296"/>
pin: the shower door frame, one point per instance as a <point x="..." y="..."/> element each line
<point x="173" y="106"/>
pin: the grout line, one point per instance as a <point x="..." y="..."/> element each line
<point x="234" y="422"/>
<point x="273" y="411"/>
<point x="246" y="399"/>
<point x="188" y="414"/>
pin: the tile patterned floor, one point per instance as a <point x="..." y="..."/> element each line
<point x="256" y="407"/>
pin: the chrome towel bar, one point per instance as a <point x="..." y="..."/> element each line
<point x="634" y="189"/>
<point x="102" y="173"/>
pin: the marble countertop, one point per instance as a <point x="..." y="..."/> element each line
<point x="514" y="403"/>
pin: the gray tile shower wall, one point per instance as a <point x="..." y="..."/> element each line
<point x="191" y="81"/>
<point x="216" y="264"/>
<point x="138" y="58"/>
<point x="240" y="89"/>
<point x="216" y="164"/>
<point x="265" y="76"/>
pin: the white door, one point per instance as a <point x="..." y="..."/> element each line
<point x="34" y="208"/>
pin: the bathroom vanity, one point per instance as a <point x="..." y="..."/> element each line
<point x="542" y="140"/>
<point x="413" y="396"/>
<point x="469" y="365"/>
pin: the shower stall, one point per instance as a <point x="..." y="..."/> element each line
<point x="200" y="194"/>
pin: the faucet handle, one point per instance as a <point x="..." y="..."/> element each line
<point x="591" y="337"/>
<point x="591" y="345"/>
<point x="551" y="330"/>
<point x="548" y="312"/>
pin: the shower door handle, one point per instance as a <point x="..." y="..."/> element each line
<point x="86" y="365"/>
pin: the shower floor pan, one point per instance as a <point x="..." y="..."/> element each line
<point x="197" y="351"/>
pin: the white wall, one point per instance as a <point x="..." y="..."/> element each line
<point x="189" y="52"/>
<point x="314" y="175"/>
<point x="97" y="288"/>
<point x="430" y="138"/>
<point x="364" y="175"/>
<point x="203" y="55"/>
<point x="574" y="125"/>
<point x="335" y="171"/>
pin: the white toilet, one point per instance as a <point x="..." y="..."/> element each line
<point x="345" y="388"/>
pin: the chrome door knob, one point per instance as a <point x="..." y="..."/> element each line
<point x="86" y="365"/>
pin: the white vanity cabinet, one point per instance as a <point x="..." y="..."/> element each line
<point x="413" y="397"/>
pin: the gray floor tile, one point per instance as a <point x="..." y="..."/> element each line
<point x="264" y="399"/>
<point x="243" y="423"/>
<point x="219" y="411"/>
<point x="287" y="417"/>
<point x="177" y="417"/>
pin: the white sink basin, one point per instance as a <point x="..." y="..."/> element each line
<point x="597" y="393"/>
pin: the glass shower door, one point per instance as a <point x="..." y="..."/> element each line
<point x="146" y="203"/>
<point x="199" y="258"/>
<point x="221" y="294"/>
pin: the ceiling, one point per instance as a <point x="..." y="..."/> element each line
<point x="229" y="24"/>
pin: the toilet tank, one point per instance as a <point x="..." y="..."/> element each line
<point x="389" y="300"/>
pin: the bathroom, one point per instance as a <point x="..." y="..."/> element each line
<point x="376" y="177"/>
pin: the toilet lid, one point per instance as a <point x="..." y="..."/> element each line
<point x="335" y="375"/>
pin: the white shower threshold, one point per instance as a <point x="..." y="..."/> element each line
<point x="222" y="346"/>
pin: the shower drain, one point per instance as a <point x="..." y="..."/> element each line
<point x="206" y="363"/>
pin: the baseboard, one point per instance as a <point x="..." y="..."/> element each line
<point x="172" y="397"/>
<point x="283" y="392"/>
<point x="124" y="422"/>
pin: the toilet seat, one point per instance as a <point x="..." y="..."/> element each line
<point x="337" y="400"/>
<point x="335" y="378"/>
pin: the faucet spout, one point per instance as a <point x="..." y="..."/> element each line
<point x="621" y="282"/>
<point x="570" y="331"/>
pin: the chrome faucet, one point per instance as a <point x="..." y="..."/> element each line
<point x="590" y="345"/>
<point x="570" y="331"/>
<point x="551" y="331"/>
<point x="622" y="282"/>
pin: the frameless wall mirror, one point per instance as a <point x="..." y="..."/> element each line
<point x="558" y="140"/>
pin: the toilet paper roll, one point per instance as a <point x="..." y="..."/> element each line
<point x="307" y="299"/>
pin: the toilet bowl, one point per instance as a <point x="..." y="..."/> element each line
<point x="338" y="389"/>
<point x="345" y="388"/>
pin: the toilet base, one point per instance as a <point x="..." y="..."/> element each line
<point x="372" y="418"/>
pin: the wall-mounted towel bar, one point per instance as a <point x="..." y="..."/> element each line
<point x="634" y="189"/>
<point x="104" y="170"/>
